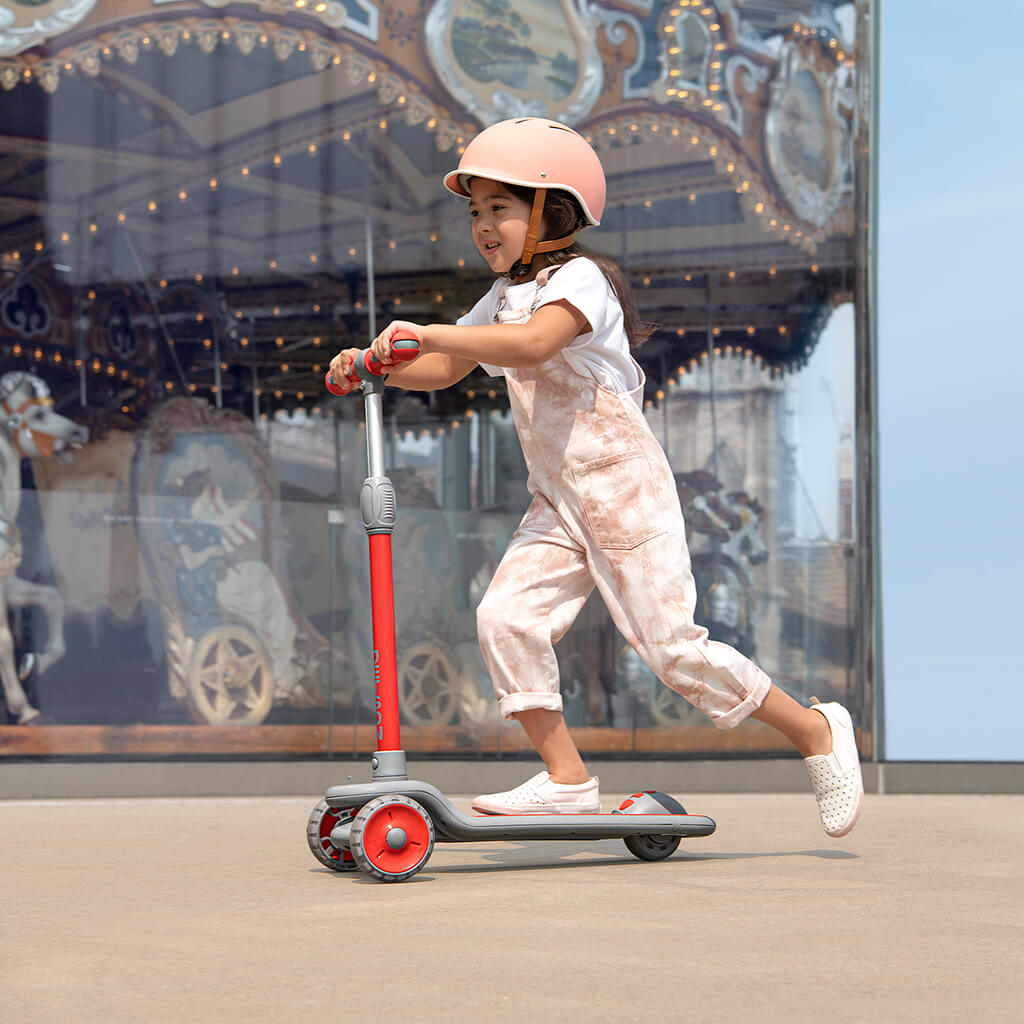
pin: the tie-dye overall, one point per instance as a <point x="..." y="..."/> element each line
<point x="605" y="512"/>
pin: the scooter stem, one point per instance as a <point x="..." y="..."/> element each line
<point x="377" y="506"/>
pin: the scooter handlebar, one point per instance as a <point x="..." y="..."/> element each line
<point x="404" y="346"/>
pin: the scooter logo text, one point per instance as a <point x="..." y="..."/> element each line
<point x="376" y="687"/>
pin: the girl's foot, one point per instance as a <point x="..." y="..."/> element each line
<point x="836" y="776"/>
<point x="540" y="795"/>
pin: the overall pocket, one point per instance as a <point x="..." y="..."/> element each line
<point x="619" y="500"/>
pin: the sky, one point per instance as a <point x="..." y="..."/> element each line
<point x="821" y="398"/>
<point x="951" y="373"/>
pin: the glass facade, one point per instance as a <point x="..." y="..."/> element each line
<point x="200" y="203"/>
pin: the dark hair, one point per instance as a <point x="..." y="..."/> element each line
<point x="562" y="216"/>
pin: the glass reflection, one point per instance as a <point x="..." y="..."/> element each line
<point x="196" y="218"/>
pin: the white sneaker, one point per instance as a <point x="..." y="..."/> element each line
<point x="836" y="777"/>
<point x="540" y="795"/>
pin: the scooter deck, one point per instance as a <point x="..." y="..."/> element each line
<point x="451" y="825"/>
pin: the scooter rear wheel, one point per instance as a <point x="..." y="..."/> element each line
<point x="652" y="847"/>
<point x="391" y="838"/>
<point x="322" y="820"/>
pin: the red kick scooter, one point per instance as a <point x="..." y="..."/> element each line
<point x="388" y="827"/>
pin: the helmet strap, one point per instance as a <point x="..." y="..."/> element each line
<point x="531" y="246"/>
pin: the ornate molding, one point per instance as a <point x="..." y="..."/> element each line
<point x="359" y="16"/>
<point x="210" y="33"/>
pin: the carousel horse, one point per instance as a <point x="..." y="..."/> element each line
<point x="703" y="509"/>
<point x="745" y="541"/>
<point x="29" y="428"/>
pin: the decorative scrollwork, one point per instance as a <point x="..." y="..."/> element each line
<point x="26" y="312"/>
<point x="617" y="25"/>
<point x="753" y="76"/>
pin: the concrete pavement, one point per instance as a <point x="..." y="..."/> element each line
<point x="213" y="910"/>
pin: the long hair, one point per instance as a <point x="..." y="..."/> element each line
<point x="563" y="216"/>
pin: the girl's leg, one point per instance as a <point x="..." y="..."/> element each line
<point x="805" y="728"/>
<point x="538" y="590"/>
<point x="825" y="736"/>
<point x="651" y="601"/>
<point x="650" y="592"/>
<point x="550" y="735"/>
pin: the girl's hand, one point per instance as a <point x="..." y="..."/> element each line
<point x="381" y="347"/>
<point x="341" y="367"/>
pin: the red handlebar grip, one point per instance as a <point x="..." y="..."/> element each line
<point x="404" y="346"/>
<point x="331" y="386"/>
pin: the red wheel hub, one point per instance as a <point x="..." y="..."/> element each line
<point x="396" y="838"/>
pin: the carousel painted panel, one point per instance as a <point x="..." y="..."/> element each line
<point x="209" y="528"/>
<point x="27" y="23"/>
<point x="535" y="58"/>
<point x="808" y="135"/>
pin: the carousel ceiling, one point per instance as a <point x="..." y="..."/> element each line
<point x="214" y="198"/>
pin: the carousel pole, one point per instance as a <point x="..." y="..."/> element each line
<point x="155" y="306"/>
<point x="78" y="313"/>
<point x="371" y="285"/>
<point x="217" y="383"/>
<point x="710" y="345"/>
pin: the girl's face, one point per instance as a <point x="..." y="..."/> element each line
<point x="500" y="222"/>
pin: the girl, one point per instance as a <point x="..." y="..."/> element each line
<point x="558" y="325"/>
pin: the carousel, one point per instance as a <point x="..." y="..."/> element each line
<point x="202" y="201"/>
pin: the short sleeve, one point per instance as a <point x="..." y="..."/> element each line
<point x="480" y="314"/>
<point x="581" y="283"/>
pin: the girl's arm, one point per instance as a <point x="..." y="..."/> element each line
<point x="426" y="373"/>
<point x="430" y="371"/>
<point x="543" y="336"/>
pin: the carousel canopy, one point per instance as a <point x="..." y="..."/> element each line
<point x="214" y="198"/>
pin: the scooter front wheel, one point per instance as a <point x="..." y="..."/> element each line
<point x="391" y="838"/>
<point x="322" y="819"/>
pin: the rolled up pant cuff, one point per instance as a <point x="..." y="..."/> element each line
<point x="750" y="704"/>
<point x="512" y="703"/>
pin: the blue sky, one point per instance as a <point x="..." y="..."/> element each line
<point x="951" y="376"/>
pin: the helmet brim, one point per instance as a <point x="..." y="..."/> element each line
<point x="457" y="182"/>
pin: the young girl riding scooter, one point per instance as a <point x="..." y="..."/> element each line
<point x="558" y="324"/>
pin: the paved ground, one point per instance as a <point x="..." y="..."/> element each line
<point x="213" y="910"/>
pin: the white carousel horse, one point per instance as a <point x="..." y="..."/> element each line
<point x="745" y="541"/>
<point x="29" y="428"/>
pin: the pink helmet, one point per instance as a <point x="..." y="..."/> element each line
<point x="536" y="153"/>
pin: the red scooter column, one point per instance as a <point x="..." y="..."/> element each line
<point x="375" y="497"/>
<point x="377" y="507"/>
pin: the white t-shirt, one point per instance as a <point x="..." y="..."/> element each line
<point x="603" y="352"/>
